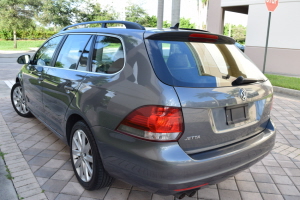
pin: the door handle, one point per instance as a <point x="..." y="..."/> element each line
<point x="69" y="88"/>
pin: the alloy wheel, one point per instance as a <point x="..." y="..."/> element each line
<point x="82" y="155"/>
<point x="19" y="100"/>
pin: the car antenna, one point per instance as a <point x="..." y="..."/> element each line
<point x="175" y="27"/>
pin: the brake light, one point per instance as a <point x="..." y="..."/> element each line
<point x="196" y="37"/>
<point x="155" y="123"/>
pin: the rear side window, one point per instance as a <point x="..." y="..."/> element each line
<point x="108" y="55"/>
<point x="71" y="51"/>
<point x="195" y="64"/>
<point x="44" y="55"/>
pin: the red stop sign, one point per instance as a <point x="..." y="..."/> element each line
<point x="271" y="5"/>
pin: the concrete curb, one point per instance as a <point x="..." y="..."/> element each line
<point x="7" y="189"/>
<point x="294" y="93"/>
<point x="14" y="52"/>
<point x="24" y="181"/>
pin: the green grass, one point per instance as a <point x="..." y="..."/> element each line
<point x="284" y="81"/>
<point x="8" y="175"/>
<point x="2" y="154"/>
<point x="22" y="45"/>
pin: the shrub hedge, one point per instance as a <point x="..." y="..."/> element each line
<point x="29" y="34"/>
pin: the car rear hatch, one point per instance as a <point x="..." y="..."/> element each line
<point x="224" y="97"/>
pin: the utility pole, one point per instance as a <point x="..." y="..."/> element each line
<point x="175" y="12"/>
<point x="160" y="14"/>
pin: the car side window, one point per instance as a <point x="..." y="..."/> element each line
<point x="44" y="55"/>
<point x="108" y="55"/>
<point x="71" y="51"/>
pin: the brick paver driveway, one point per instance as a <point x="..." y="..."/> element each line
<point x="40" y="163"/>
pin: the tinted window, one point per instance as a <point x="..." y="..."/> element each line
<point x="194" y="64"/>
<point x="71" y="51"/>
<point x="83" y="61"/>
<point x="45" y="53"/>
<point x="108" y="55"/>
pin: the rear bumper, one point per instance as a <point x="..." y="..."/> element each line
<point x="163" y="168"/>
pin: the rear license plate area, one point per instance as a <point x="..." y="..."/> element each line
<point x="236" y="114"/>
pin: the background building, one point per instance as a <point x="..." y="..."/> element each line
<point x="284" y="42"/>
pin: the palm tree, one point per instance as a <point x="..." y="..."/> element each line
<point x="205" y="2"/>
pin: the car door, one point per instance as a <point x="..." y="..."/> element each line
<point x="102" y="84"/>
<point x="62" y="81"/>
<point x="33" y="75"/>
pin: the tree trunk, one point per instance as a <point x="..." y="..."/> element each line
<point x="15" y="38"/>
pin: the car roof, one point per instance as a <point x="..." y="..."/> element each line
<point x="132" y="27"/>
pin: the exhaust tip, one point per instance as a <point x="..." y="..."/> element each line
<point x="180" y="196"/>
<point x="188" y="193"/>
<point x="191" y="194"/>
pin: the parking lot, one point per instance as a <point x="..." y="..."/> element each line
<point x="41" y="167"/>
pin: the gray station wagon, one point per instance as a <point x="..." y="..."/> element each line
<point x="169" y="110"/>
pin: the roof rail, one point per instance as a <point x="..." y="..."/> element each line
<point x="128" y="25"/>
<point x="189" y="29"/>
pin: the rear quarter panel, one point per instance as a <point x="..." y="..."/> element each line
<point x="105" y="99"/>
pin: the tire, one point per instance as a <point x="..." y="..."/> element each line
<point x="18" y="100"/>
<point x="88" y="160"/>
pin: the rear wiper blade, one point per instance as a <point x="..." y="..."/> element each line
<point x="241" y="80"/>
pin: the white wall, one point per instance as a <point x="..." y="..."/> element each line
<point x="284" y="29"/>
<point x="226" y="3"/>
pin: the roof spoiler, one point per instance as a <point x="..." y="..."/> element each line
<point x="191" y="36"/>
<point x="176" y="27"/>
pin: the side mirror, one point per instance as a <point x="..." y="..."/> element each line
<point x="25" y="59"/>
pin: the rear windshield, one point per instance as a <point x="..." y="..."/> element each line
<point x="194" y="64"/>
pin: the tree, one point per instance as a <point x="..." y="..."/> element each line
<point x="150" y="21"/>
<point x="236" y="32"/>
<point x="239" y="33"/>
<point x="95" y="12"/>
<point x="135" y="13"/>
<point x="16" y="15"/>
<point x="185" y="23"/>
<point x="205" y="2"/>
<point x="166" y="24"/>
<point x="57" y="12"/>
<point x="227" y="30"/>
<point x="106" y="14"/>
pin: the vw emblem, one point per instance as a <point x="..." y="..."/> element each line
<point x="243" y="94"/>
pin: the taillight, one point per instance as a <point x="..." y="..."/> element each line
<point x="155" y="123"/>
<point x="196" y="37"/>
